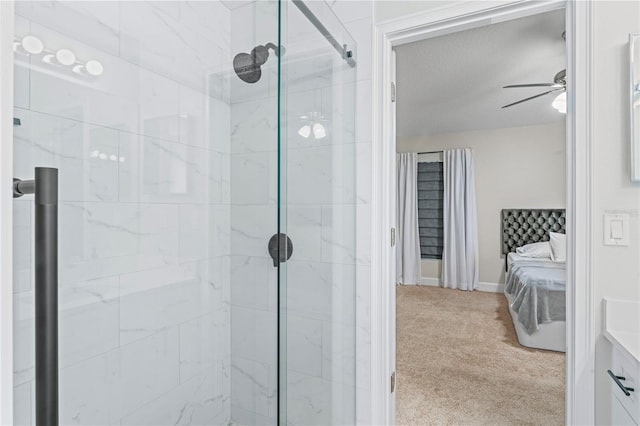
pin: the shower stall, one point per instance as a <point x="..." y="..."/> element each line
<point x="206" y="213"/>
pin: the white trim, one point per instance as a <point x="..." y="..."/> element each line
<point x="382" y="219"/>
<point x="580" y="316"/>
<point x="485" y="287"/>
<point x="490" y="287"/>
<point x="580" y="310"/>
<point x="6" y="212"/>
<point x="430" y="281"/>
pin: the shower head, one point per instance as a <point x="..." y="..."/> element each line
<point x="248" y="65"/>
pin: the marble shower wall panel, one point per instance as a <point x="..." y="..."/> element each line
<point x="51" y="141"/>
<point x="357" y="17"/>
<point x="321" y="211"/>
<point x="144" y="158"/>
<point x="254" y="132"/>
<point x="255" y="24"/>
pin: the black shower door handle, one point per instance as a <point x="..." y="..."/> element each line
<point x="45" y="189"/>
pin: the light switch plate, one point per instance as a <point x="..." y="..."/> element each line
<point x="616" y="229"/>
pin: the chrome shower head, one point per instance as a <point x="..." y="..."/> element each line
<point x="248" y="65"/>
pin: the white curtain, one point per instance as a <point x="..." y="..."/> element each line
<point x="460" y="265"/>
<point x="407" y="237"/>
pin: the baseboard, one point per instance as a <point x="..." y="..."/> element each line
<point x="431" y="281"/>
<point x="490" y="287"/>
<point x="485" y="287"/>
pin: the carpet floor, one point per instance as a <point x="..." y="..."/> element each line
<point x="458" y="362"/>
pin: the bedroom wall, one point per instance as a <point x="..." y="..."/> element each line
<point x="517" y="167"/>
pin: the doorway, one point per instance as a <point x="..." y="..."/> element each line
<point x="452" y="319"/>
<point x="445" y="20"/>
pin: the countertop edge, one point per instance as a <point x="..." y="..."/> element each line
<point x="618" y="340"/>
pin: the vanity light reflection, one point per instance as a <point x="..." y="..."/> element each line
<point x="105" y="156"/>
<point x="313" y="124"/>
<point x="32" y="45"/>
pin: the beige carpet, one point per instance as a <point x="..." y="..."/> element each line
<point x="459" y="363"/>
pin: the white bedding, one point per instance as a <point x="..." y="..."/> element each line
<point x="550" y="335"/>
<point x="513" y="257"/>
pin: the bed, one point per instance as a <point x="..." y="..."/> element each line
<point x="535" y="288"/>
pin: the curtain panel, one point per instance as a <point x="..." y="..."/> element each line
<point x="407" y="234"/>
<point x="460" y="261"/>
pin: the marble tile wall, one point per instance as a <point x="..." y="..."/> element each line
<point x="357" y="17"/>
<point x="145" y="167"/>
<point x="254" y="131"/>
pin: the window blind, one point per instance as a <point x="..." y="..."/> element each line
<point x="430" y="196"/>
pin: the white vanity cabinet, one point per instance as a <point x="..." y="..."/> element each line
<point x="625" y="394"/>
<point x="622" y="323"/>
<point x="619" y="417"/>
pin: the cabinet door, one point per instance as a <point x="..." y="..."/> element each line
<point x="619" y="416"/>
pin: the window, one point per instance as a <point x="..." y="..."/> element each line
<point x="430" y="195"/>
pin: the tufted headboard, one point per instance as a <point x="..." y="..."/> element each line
<point x="525" y="226"/>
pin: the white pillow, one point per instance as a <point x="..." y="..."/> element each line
<point x="558" y="246"/>
<point x="537" y="250"/>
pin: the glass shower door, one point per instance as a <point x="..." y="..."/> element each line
<point x="317" y="190"/>
<point x="130" y="101"/>
<point x="187" y="136"/>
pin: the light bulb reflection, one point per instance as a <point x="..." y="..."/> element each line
<point x="560" y="102"/>
<point x="94" y="67"/>
<point x="32" y="45"/>
<point x="319" y="131"/>
<point x="305" y="131"/>
<point x="65" y="56"/>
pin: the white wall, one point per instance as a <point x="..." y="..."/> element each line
<point x="391" y="9"/>
<point x="517" y="167"/>
<point x="616" y="269"/>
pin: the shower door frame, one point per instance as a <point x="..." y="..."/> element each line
<point x="6" y="212"/>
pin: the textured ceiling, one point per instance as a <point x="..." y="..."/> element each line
<point x="453" y="83"/>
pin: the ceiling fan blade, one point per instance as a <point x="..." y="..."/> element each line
<point x="532" y="85"/>
<point x="533" y="97"/>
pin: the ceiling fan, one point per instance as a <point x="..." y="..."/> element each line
<point x="559" y="85"/>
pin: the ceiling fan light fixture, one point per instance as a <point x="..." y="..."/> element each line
<point x="560" y="103"/>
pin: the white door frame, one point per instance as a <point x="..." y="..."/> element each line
<point x="580" y="392"/>
<point x="6" y="212"/>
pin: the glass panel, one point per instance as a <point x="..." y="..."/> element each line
<point x="187" y="135"/>
<point x="254" y="168"/>
<point x="130" y="100"/>
<point x="318" y="210"/>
